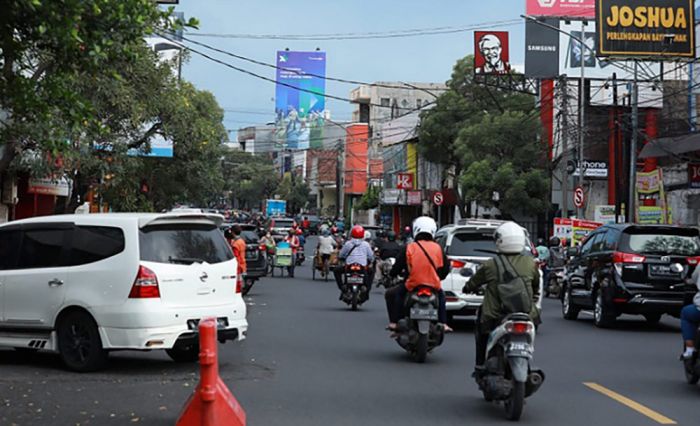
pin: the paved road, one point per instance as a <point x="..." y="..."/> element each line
<point x="310" y="361"/>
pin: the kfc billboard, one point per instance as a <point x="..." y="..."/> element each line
<point x="491" y="52"/>
<point x="570" y="9"/>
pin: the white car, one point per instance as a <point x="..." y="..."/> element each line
<point x="467" y="245"/>
<point x="83" y="285"/>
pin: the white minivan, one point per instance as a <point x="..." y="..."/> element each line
<point x="83" y="285"/>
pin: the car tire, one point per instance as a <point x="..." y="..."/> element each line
<point x="79" y="343"/>
<point x="184" y="353"/>
<point x="568" y="309"/>
<point x="652" y="319"/>
<point x="602" y="317"/>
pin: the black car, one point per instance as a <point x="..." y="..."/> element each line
<point x="631" y="269"/>
<point x="255" y="254"/>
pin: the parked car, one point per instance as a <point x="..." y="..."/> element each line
<point x="255" y="254"/>
<point x="279" y="227"/>
<point x="468" y="245"/>
<point x="84" y="285"/>
<point x="631" y="269"/>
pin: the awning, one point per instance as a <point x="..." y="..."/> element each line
<point x="665" y="147"/>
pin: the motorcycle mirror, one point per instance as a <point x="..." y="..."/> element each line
<point x="466" y="272"/>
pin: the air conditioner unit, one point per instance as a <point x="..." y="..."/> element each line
<point x="9" y="190"/>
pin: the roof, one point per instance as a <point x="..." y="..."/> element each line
<point x="143" y="219"/>
<point x="671" y="146"/>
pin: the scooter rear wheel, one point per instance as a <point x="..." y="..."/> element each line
<point x="514" y="404"/>
<point x="421" y="352"/>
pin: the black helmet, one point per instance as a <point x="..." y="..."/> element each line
<point x="554" y="242"/>
<point x="540" y="241"/>
<point x="391" y="235"/>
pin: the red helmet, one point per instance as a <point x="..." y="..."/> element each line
<point x="358" y="232"/>
<point x="299" y="232"/>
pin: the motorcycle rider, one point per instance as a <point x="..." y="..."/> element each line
<point x="294" y="244"/>
<point x="510" y="242"/>
<point x="325" y="248"/>
<point x="425" y="264"/>
<point x="388" y="249"/>
<point x="355" y="251"/>
<point x="690" y="318"/>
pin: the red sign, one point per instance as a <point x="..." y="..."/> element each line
<point x="579" y="197"/>
<point x="404" y="181"/>
<point x="694" y="175"/>
<point x="561" y="8"/>
<point x="438" y="198"/>
<point x="413" y="198"/>
<point x="491" y="52"/>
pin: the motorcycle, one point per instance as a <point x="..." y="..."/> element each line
<point x="386" y="280"/>
<point x="300" y="258"/>
<point x="419" y="332"/>
<point x="555" y="281"/>
<point x="355" y="291"/>
<point x="508" y="373"/>
<point x="692" y="365"/>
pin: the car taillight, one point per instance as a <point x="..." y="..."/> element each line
<point x="239" y="283"/>
<point x="619" y="257"/>
<point x="518" y="327"/>
<point x="693" y="260"/>
<point x="457" y="264"/>
<point x="145" y="286"/>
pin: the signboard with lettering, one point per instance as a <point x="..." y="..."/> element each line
<point x="694" y="175"/>
<point x="646" y="28"/>
<point x="570" y="9"/>
<point x="404" y="181"/>
<point x="542" y="48"/>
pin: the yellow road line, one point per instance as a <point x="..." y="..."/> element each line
<point x="659" y="418"/>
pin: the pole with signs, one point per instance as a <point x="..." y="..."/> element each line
<point x="581" y="108"/>
<point x="438" y="199"/>
<point x="632" y="202"/>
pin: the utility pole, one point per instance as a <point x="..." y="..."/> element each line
<point x="565" y="149"/>
<point x="618" y="163"/>
<point x="632" y="200"/>
<point x="338" y="179"/>
<point x="581" y="213"/>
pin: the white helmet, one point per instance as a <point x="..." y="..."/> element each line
<point x="368" y="235"/>
<point x="510" y="238"/>
<point x="424" y="225"/>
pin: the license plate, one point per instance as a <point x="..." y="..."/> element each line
<point x="662" y="270"/>
<point x="427" y="314"/>
<point x="353" y="279"/>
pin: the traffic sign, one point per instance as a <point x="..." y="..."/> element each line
<point x="438" y="198"/>
<point x="579" y="197"/>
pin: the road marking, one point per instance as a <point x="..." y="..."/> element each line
<point x="657" y="417"/>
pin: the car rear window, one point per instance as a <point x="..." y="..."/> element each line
<point x="477" y="244"/>
<point x="283" y="223"/>
<point x="682" y="242"/>
<point x="183" y="244"/>
<point x="250" y="237"/>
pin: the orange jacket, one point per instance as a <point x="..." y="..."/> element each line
<point x="421" y="271"/>
<point x="238" y="246"/>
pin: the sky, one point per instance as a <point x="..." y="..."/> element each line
<point x="429" y="58"/>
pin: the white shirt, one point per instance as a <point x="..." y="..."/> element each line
<point x="696" y="279"/>
<point x="326" y="245"/>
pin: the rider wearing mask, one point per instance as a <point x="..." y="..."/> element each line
<point x="510" y="243"/>
<point x="690" y="318"/>
<point x="424" y="263"/>
<point x="355" y="251"/>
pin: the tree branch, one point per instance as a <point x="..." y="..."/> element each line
<point x="146" y="136"/>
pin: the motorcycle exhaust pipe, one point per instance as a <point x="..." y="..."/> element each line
<point x="534" y="381"/>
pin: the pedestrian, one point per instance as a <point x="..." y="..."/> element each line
<point x="238" y="246"/>
<point x="293" y="240"/>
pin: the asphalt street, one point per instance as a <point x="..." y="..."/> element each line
<point x="309" y="360"/>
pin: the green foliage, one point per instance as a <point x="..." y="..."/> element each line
<point x="370" y="199"/>
<point x="250" y="179"/>
<point x="295" y="191"/>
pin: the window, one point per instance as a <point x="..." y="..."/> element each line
<point x="9" y="247"/>
<point x="250" y="237"/>
<point x="477" y="244"/>
<point x="599" y="242"/>
<point x="385" y="102"/>
<point x="184" y="244"/>
<point x="664" y="242"/>
<point x="43" y="248"/>
<point x="611" y="240"/>
<point x="404" y="104"/>
<point x="419" y="103"/>
<point x="93" y="243"/>
<point x="586" y="248"/>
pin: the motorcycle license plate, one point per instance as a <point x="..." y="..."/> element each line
<point x="519" y="348"/>
<point x="424" y="314"/>
<point x="353" y="279"/>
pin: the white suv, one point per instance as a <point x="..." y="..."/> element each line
<point x="82" y="285"/>
<point x="467" y="245"/>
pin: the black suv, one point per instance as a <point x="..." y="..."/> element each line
<point x="631" y="269"/>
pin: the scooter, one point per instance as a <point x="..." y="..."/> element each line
<point x="355" y="291"/>
<point x="509" y="375"/>
<point x="692" y="365"/>
<point x="385" y="269"/>
<point x="419" y="332"/>
<point x="300" y="258"/>
<point x="554" y="282"/>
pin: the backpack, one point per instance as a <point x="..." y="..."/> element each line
<point x="512" y="288"/>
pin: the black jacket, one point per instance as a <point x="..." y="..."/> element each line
<point x="389" y="249"/>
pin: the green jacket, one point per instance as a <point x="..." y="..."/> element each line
<point x="487" y="275"/>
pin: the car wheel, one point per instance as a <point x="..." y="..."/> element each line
<point x="184" y="353"/>
<point x="79" y="343"/>
<point x="652" y="319"/>
<point x="568" y="309"/>
<point x="602" y="317"/>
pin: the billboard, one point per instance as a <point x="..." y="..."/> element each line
<point x="646" y="28"/>
<point x="542" y="48"/>
<point x="571" y="53"/>
<point x="300" y="99"/>
<point x="570" y="9"/>
<point x="491" y="55"/>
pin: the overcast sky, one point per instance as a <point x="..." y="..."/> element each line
<point x="427" y="58"/>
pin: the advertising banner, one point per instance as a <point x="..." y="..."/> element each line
<point x="58" y="187"/>
<point x="563" y="229"/>
<point x="604" y="214"/>
<point x="650" y="185"/>
<point x="646" y="28"/>
<point x="542" y="49"/>
<point x="694" y="175"/>
<point x="581" y="229"/>
<point x="570" y="9"/>
<point x="300" y="99"/>
<point x="404" y="181"/>
<point x="413" y="198"/>
<point x="491" y="55"/>
<point x="570" y="54"/>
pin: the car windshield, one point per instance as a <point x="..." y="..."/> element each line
<point x="664" y="243"/>
<point x="183" y="244"/>
<point x="476" y="244"/>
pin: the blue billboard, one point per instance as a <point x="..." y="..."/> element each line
<point x="300" y="99"/>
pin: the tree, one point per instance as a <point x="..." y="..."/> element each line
<point x="251" y="179"/>
<point x="44" y="47"/>
<point x="295" y="191"/>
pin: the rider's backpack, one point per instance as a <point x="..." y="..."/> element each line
<point x="512" y="288"/>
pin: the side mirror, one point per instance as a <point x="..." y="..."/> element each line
<point x="466" y="272"/>
<point x="572" y="251"/>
